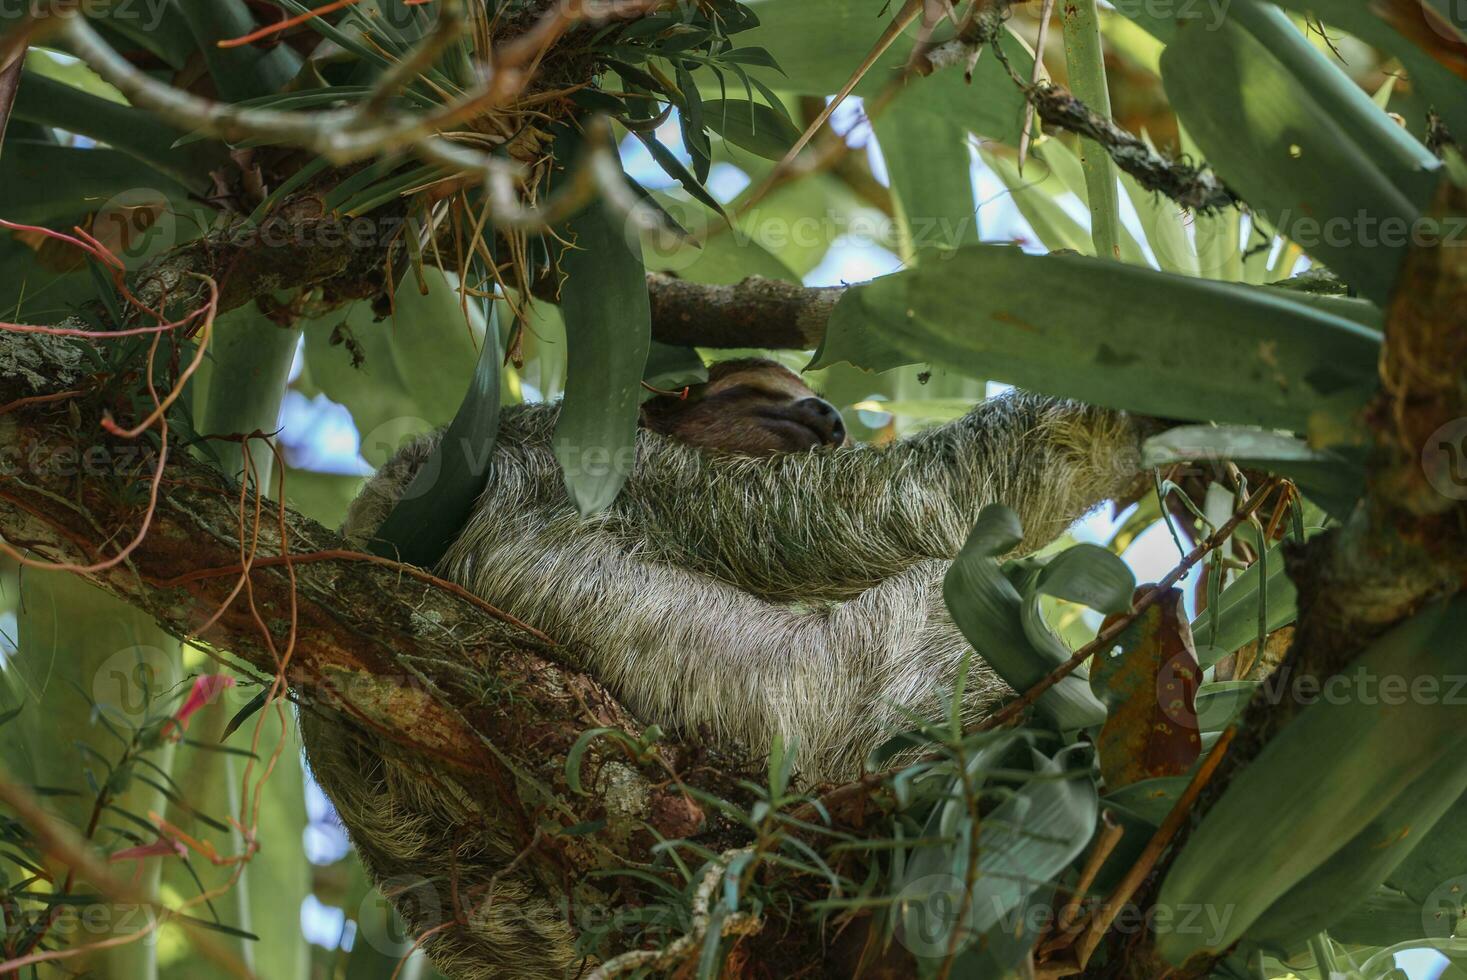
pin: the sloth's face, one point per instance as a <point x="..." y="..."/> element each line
<point x="749" y="406"/>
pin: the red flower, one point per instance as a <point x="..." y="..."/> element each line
<point x="205" y="687"/>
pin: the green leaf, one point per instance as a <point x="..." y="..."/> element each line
<point x="608" y="324"/>
<point x="990" y="611"/>
<point x="578" y="752"/>
<point x="1439" y="862"/>
<point x="1361" y="750"/>
<point x="931" y="176"/>
<point x="1085" y="65"/>
<point x="674" y="168"/>
<point x="139" y="134"/>
<point x="1363" y="865"/>
<point x="1090" y="575"/>
<point x="45" y="183"/>
<point x="755" y="127"/>
<point x="1440" y="87"/>
<point x="991" y="106"/>
<point x="241" y="72"/>
<point x="1110" y="334"/>
<point x="1023" y="843"/>
<point x="437" y="503"/>
<point x="1207" y="443"/>
<point x="1236" y="612"/>
<point x="1289" y="149"/>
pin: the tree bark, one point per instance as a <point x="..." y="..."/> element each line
<point x="376" y="641"/>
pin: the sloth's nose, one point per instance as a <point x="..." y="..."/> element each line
<point x="823" y="418"/>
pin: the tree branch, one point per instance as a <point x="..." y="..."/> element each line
<point x="756" y="312"/>
<point x="403" y="655"/>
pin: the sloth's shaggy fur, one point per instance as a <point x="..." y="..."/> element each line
<point x="729" y="598"/>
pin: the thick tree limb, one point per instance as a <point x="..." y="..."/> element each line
<point x="756" y="312"/>
<point x="387" y="649"/>
<point x="346" y="259"/>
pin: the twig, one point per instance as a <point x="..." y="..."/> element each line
<point x="1045" y="13"/>
<point x="1015" y="707"/>
<point x="1110" y="835"/>
<point x="1193" y="188"/>
<point x="1100" y="922"/>
<point x="678" y="952"/>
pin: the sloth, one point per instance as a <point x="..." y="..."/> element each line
<point x="757" y="577"/>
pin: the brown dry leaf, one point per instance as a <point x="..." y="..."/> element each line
<point x="1148" y="680"/>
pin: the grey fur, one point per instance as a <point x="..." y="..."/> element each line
<point x="723" y="597"/>
<point x="739" y="597"/>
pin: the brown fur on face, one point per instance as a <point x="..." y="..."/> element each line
<point x="750" y="405"/>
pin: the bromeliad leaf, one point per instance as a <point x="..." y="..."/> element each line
<point x="608" y="325"/>
<point x="1112" y="334"/>
<point x="990" y="611"/>
<point x="1292" y="147"/>
<point x="436" y="504"/>
<point x="1148" y="681"/>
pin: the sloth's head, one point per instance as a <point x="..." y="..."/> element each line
<point x="749" y="405"/>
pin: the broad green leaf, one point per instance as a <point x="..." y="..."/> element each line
<point x="44" y="183"/>
<point x="989" y="610"/>
<point x="1022" y="843"/>
<point x="1090" y="575"/>
<point x="1361" y="749"/>
<point x="1441" y="88"/>
<point x="1207" y="443"/>
<point x="1433" y="874"/>
<point x="1150" y="799"/>
<point x="241" y="72"/>
<point x="1332" y="479"/>
<point x="819" y="43"/>
<point x="1364" y="864"/>
<point x="930" y="169"/>
<point x="1219" y="703"/>
<point x="1085" y="66"/>
<point x="1110" y="334"/>
<point x="1386" y="914"/>
<point x="436" y="504"/>
<point x="133" y="131"/>
<point x="1289" y="149"/>
<point x="755" y="127"/>
<point x="608" y="323"/>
